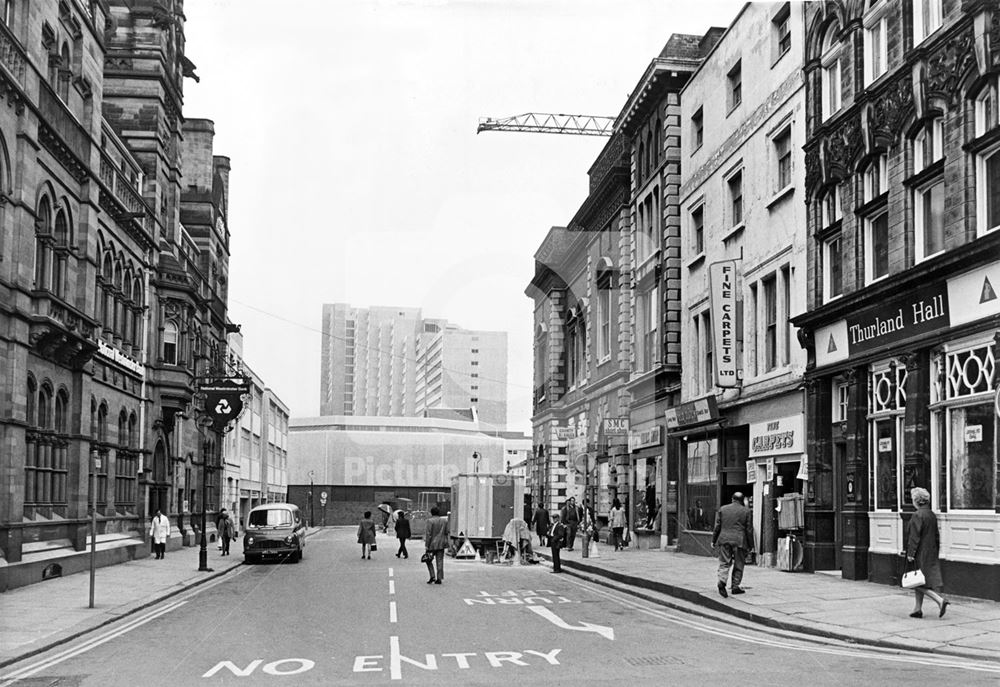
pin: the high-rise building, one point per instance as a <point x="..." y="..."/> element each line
<point x="388" y="361"/>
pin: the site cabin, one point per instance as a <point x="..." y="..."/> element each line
<point x="482" y="504"/>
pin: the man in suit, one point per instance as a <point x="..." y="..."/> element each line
<point x="571" y="521"/>
<point x="557" y="538"/>
<point x="731" y="535"/>
<point x="436" y="540"/>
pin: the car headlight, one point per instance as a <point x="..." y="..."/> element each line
<point x="249" y="541"/>
<point x="289" y="540"/>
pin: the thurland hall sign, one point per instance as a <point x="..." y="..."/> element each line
<point x="924" y="310"/>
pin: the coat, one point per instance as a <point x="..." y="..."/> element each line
<point x="159" y="529"/>
<point x="402" y="528"/>
<point x="922" y="543"/>
<point x="436" y="535"/>
<point x="366" y="531"/>
<point x="732" y="526"/>
<point x="225" y="527"/>
<point x="541" y="522"/>
<point x="557" y="536"/>
<point x="570" y="516"/>
<point x="617" y="517"/>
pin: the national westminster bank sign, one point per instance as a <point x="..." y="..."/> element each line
<point x="924" y="310"/>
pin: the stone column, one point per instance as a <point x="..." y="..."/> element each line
<point x="854" y="515"/>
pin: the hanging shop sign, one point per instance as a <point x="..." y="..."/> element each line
<point x="563" y="433"/>
<point x="751" y="471"/>
<point x="803" y="472"/>
<point x="722" y="280"/>
<point x="781" y="436"/>
<point x="224" y="400"/>
<point x="692" y="412"/>
<point x="616" y="426"/>
<point x="642" y="438"/>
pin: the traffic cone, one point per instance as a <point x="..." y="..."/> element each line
<point x="594" y="553"/>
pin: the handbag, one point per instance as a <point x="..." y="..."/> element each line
<point x="373" y="547"/>
<point x="913" y="578"/>
<point x="427" y="557"/>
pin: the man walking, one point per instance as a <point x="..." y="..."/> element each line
<point x="557" y="537"/>
<point x="571" y="521"/>
<point x="226" y="531"/>
<point x="159" y="530"/>
<point x="436" y="540"/>
<point x="731" y="534"/>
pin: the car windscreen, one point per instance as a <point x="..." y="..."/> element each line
<point x="272" y="517"/>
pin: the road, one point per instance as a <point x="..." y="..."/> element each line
<point x="337" y="619"/>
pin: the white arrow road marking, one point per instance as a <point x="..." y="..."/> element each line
<point x="582" y="627"/>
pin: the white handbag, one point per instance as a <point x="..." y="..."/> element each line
<point x="913" y="578"/>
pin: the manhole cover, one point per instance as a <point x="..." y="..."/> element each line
<point x="653" y="660"/>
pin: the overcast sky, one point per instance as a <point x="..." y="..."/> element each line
<point x="357" y="173"/>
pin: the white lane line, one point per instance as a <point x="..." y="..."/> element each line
<point x="392" y="611"/>
<point x="872" y="653"/>
<point x="87" y="646"/>
<point x="392" y="587"/>
<point x="390" y="572"/>
<point x="394" y="671"/>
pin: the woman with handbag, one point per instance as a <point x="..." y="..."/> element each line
<point x="366" y="535"/>
<point x="922" y="545"/>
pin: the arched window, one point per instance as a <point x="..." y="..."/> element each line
<point x="31" y="403"/>
<point x="43" y="232"/>
<point x="650" y="153"/>
<point x="122" y="428"/>
<point x="62" y="239"/>
<point x="137" y="298"/>
<point x="658" y="154"/>
<point x="107" y="307"/>
<point x="118" y="307"/>
<point x="639" y="169"/>
<point x="93" y="418"/>
<point x="830" y="76"/>
<point x="170" y="343"/>
<point x="61" y="418"/>
<point x="65" y="72"/>
<point x="45" y="407"/>
<point x="127" y="309"/>
<point x="102" y="423"/>
<point x="132" y="425"/>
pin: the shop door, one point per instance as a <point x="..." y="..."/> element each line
<point x="839" y="477"/>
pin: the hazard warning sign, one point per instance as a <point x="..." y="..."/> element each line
<point x="467" y="550"/>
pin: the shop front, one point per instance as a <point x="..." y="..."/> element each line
<point x="644" y="500"/>
<point x="694" y="432"/>
<point x="903" y="395"/>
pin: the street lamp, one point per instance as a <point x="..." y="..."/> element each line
<point x="205" y="424"/>
<point x="312" y="515"/>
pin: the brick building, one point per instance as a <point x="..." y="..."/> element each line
<point x="901" y="328"/>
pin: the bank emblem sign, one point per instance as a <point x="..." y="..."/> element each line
<point x="224" y="400"/>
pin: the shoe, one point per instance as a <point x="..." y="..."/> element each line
<point x="722" y="590"/>
<point x="369" y="557"/>
<point x="430" y="581"/>
<point x="738" y="590"/>
<point x="397" y="555"/>
<point x="362" y="557"/>
<point x="437" y="581"/>
<point x="917" y="614"/>
<point x="405" y="556"/>
<point x="944" y="607"/>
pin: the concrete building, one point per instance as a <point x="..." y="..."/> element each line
<point x="902" y="311"/>
<point x="111" y="306"/>
<point x="351" y="463"/>
<point x="743" y="275"/>
<point x="387" y="361"/>
<point x="255" y="453"/>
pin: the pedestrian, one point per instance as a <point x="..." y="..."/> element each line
<point x="616" y="519"/>
<point x="159" y="530"/>
<point x="227" y="532"/>
<point x="731" y="534"/>
<point x="557" y="539"/>
<point x="366" y="535"/>
<point x="571" y="521"/>
<point x="402" y="527"/>
<point x="436" y="540"/>
<point x="541" y="522"/>
<point x="922" y="544"/>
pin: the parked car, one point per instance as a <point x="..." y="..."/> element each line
<point x="274" y="530"/>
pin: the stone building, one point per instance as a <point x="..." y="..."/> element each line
<point x="743" y="275"/>
<point x="902" y="310"/>
<point x="109" y="303"/>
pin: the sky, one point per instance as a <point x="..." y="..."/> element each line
<point x="357" y="174"/>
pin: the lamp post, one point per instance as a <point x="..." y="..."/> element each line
<point x="312" y="515"/>
<point x="475" y="461"/>
<point x="204" y="423"/>
<point x="95" y="463"/>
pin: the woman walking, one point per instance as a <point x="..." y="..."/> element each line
<point x="402" y="533"/>
<point x="366" y="534"/>
<point x="616" y="520"/>
<point x="922" y="549"/>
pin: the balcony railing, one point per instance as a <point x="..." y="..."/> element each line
<point x="125" y="193"/>
<point x="12" y="55"/>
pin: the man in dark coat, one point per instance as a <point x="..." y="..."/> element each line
<point x="557" y="537"/>
<point x="541" y="523"/>
<point x="571" y="521"/>
<point x="731" y="535"/>
<point x="436" y="540"/>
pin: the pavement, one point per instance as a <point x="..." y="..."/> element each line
<point x="817" y="604"/>
<point x="41" y="616"/>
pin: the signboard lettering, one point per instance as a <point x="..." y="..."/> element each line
<point x="722" y="279"/>
<point x="224" y="400"/>
<point x="616" y="426"/>
<point x="692" y="412"/>
<point x="781" y="436"/>
<point x="643" y="438"/>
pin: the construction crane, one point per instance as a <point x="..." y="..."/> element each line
<point x="544" y="123"/>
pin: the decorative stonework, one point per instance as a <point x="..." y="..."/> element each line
<point x="889" y="111"/>
<point x="842" y="147"/>
<point x="994" y="37"/>
<point x="949" y="64"/>
<point x="61" y="152"/>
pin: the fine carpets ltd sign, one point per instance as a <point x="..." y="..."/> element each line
<point x="722" y="280"/>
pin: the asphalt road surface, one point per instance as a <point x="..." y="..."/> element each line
<point x="337" y="619"/>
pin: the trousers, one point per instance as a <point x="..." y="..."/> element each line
<point x="438" y="558"/>
<point x="731" y="556"/>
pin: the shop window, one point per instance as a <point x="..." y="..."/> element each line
<point x="886" y="410"/>
<point x="702" y="460"/>
<point x="966" y="426"/>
